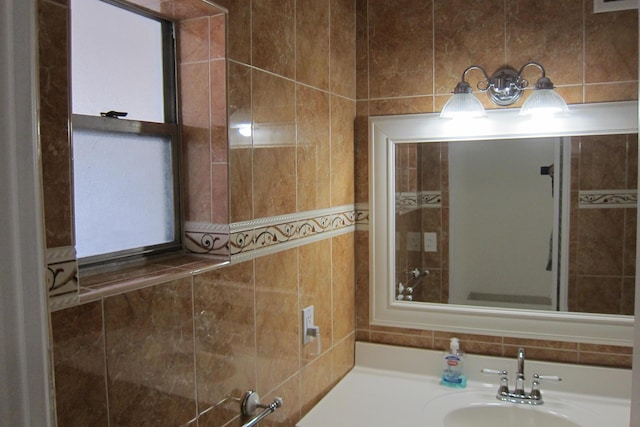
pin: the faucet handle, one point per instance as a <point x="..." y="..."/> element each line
<point x="503" y="390"/>
<point x="493" y="372"/>
<point x="535" y="385"/>
<point x="546" y="377"/>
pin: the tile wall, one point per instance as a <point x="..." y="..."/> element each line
<point x="161" y="355"/>
<point x="603" y="216"/>
<point x="411" y="53"/>
<point x="164" y="354"/>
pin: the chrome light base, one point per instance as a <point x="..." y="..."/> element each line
<point x="505" y="87"/>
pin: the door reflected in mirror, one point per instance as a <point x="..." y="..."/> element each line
<point x="539" y="223"/>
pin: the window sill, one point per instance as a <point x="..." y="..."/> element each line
<point x="96" y="285"/>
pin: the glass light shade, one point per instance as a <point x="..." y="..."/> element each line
<point x="544" y="102"/>
<point x="463" y="105"/>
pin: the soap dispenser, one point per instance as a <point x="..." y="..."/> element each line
<point x="453" y="368"/>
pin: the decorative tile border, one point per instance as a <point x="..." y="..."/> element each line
<point x="206" y="239"/>
<point x="362" y="216"/>
<point x="265" y="235"/>
<point x="608" y="199"/>
<point x="407" y="202"/>
<point x="242" y="240"/>
<point x="62" y="271"/>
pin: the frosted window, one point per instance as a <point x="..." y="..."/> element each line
<point x="117" y="61"/>
<point x="123" y="191"/>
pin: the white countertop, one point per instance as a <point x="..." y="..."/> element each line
<point x="392" y="386"/>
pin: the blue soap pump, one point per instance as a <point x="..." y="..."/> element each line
<point x="453" y="369"/>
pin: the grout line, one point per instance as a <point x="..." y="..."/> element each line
<point x="433" y="56"/>
<point x="195" y="353"/>
<point x="327" y="91"/>
<point x="104" y="354"/>
<point x="584" y="52"/>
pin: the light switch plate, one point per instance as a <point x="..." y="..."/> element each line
<point x="430" y="242"/>
<point x="307" y="322"/>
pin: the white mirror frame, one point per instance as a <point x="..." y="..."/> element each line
<point x="386" y="131"/>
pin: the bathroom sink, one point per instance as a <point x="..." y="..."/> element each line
<point x="480" y="408"/>
<point x="486" y="416"/>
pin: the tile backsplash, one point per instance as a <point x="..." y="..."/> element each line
<point x="411" y="54"/>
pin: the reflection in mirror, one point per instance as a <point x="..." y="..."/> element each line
<point x="537" y="223"/>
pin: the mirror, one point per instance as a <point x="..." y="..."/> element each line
<point x="511" y="222"/>
<point x="501" y="223"/>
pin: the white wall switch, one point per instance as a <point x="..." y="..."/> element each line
<point x="413" y="241"/>
<point x="430" y="242"/>
<point x="307" y="323"/>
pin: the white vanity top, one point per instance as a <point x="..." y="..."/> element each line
<point x="392" y="386"/>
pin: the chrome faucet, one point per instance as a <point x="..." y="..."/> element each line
<point x="519" y="395"/>
<point x="519" y="391"/>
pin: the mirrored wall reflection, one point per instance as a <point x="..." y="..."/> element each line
<point x="545" y="224"/>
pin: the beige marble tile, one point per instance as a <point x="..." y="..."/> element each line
<point x="401" y="339"/>
<point x="278" y="321"/>
<point x="467" y="33"/>
<point x="289" y="413"/>
<point x="240" y="184"/>
<point x="239" y="37"/>
<point x="79" y="369"/>
<point x="400" y="48"/>
<point x="600" y="242"/>
<point x="53" y="57"/>
<point x="239" y="103"/>
<point x="278" y="271"/>
<point x="600" y="157"/>
<point x="605" y="92"/>
<point x="630" y="232"/>
<point x="611" y="46"/>
<point x="220" y="193"/>
<point x="343" y="357"/>
<point x="273" y="46"/>
<point x="274" y="109"/>
<point x="343" y="48"/>
<point x="196" y="165"/>
<point x="342" y="151"/>
<point x="597" y="294"/>
<point x="362" y="50"/>
<point x="274" y="189"/>
<point x="217" y="88"/>
<point x="316" y="381"/>
<point x="312" y="43"/>
<point x="605" y="355"/>
<point x="150" y="359"/>
<point x="217" y="37"/>
<point x="225" y="337"/>
<point x="361" y="159"/>
<point x="544" y="353"/>
<point x="362" y="279"/>
<point x="343" y="277"/>
<point x="314" y="272"/>
<point x="409" y="105"/>
<point x="193" y="40"/>
<point x="552" y="36"/>
<point x="632" y="161"/>
<point x="313" y="149"/>
<point x="184" y="9"/>
<point x="193" y="99"/>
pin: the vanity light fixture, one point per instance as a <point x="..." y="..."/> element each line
<point x="504" y="88"/>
